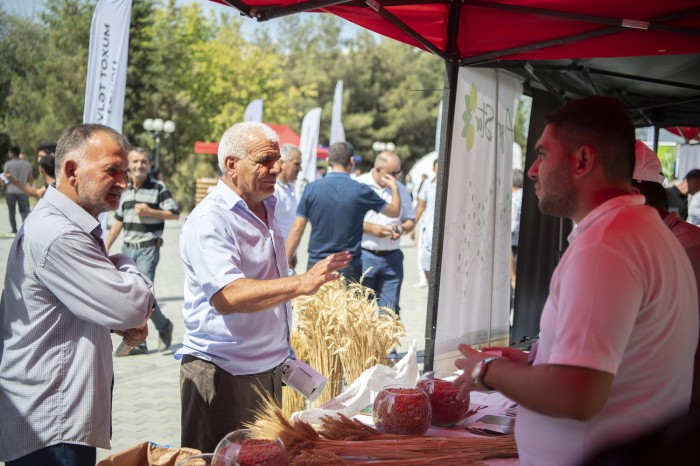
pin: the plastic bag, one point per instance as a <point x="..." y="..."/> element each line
<point x="363" y="390"/>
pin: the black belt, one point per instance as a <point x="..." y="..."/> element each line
<point x="380" y="253"/>
<point x="143" y="244"/>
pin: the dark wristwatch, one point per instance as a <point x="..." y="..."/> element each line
<point x="479" y="372"/>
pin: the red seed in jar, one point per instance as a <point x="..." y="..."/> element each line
<point x="447" y="410"/>
<point x="256" y="452"/>
<point x="402" y="411"/>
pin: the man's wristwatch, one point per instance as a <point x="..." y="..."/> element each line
<point x="479" y="372"/>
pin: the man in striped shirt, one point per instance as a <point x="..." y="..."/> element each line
<point x="144" y="206"/>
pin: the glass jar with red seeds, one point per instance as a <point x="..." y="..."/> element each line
<point x="247" y="450"/>
<point x="402" y="410"/>
<point x="440" y="388"/>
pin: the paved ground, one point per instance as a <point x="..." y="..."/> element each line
<point x="146" y="392"/>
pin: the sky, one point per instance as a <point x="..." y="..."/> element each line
<point x="32" y="8"/>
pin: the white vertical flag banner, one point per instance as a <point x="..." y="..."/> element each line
<point x="105" y="86"/>
<point x="254" y="111"/>
<point x="107" y="59"/>
<point x="308" y="143"/>
<point x="337" y="130"/>
<point x="439" y="127"/>
<point x="474" y="299"/>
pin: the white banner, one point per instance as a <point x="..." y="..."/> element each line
<point x="474" y="300"/>
<point x="106" y="72"/>
<point x="688" y="158"/>
<point x="337" y="130"/>
<point x="308" y="143"/>
<point x="254" y="110"/>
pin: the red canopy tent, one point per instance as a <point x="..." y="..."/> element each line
<point x="689" y="133"/>
<point x="646" y="53"/>
<point x="286" y="134"/>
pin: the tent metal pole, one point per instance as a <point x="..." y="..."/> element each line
<point x="448" y="118"/>
<point x="449" y="100"/>
<point x="494" y="220"/>
<point x="268" y="13"/>
<point x="656" y="139"/>
<point x="386" y="14"/>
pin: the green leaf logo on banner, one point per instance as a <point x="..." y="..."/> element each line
<point x="470" y="102"/>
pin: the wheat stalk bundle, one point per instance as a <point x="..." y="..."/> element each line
<point x="293" y="401"/>
<point x="340" y="440"/>
<point x="340" y="332"/>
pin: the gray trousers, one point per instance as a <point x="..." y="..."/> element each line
<point x="214" y="402"/>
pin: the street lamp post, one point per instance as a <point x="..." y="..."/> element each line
<point x="379" y="146"/>
<point x="156" y="126"/>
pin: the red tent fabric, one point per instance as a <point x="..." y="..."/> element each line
<point x="286" y="134"/>
<point x="515" y="29"/>
<point x="690" y="133"/>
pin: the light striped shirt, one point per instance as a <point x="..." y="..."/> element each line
<point x="155" y="194"/>
<point x="62" y="296"/>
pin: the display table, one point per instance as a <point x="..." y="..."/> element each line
<point x="482" y="404"/>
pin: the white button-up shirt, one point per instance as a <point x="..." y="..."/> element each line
<point x="376" y="243"/>
<point x="222" y="241"/>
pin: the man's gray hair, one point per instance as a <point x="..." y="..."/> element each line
<point x="286" y="151"/>
<point x="142" y="150"/>
<point x="72" y="143"/>
<point x="238" y="138"/>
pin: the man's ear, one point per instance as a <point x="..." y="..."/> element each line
<point x="585" y="160"/>
<point x="70" y="167"/>
<point x="230" y="162"/>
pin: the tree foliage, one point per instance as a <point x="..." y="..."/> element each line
<point x="201" y="69"/>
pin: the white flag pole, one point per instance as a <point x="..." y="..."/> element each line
<point x="105" y="86"/>
<point x="308" y="143"/>
<point x="337" y="130"/>
<point x="254" y="111"/>
<point x="107" y="59"/>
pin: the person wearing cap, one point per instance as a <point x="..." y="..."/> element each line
<point x="619" y="328"/>
<point x="646" y="180"/>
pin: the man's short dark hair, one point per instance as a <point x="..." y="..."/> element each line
<point x="654" y="192"/>
<point x="48" y="164"/>
<point x="73" y="141"/>
<point x="693" y="174"/>
<point x="48" y="147"/>
<point x="604" y="124"/>
<point x="15" y="151"/>
<point x="340" y="153"/>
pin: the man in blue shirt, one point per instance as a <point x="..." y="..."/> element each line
<point x="336" y="206"/>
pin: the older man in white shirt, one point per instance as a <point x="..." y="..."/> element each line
<point x="237" y="292"/>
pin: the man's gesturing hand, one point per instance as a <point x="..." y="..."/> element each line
<point x="324" y="271"/>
